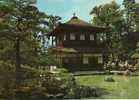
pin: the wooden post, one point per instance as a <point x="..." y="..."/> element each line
<point x="55" y="41"/>
<point x="52" y="41"/>
<point x="18" y="62"/>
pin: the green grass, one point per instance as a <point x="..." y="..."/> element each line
<point x="123" y="88"/>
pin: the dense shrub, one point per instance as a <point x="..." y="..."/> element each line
<point x="7" y="80"/>
<point x="82" y="92"/>
<point x="60" y="85"/>
<point x="63" y="85"/>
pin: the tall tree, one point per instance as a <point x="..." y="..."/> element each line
<point x="137" y="16"/>
<point x="110" y="15"/>
<point x="129" y="15"/>
<point x="22" y="26"/>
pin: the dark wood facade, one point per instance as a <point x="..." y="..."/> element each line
<point x="78" y="45"/>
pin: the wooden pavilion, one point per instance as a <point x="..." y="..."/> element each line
<point x="78" y="45"/>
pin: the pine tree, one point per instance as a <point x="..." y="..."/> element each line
<point x="22" y="28"/>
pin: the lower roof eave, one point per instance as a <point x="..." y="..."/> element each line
<point x="79" y="50"/>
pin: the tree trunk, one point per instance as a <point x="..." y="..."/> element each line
<point x="18" y="63"/>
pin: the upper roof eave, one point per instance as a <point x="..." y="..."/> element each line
<point x="92" y="28"/>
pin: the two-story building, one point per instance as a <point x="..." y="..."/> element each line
<point x="78" y="45"/>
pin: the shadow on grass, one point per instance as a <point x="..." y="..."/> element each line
<point x="100" y="93"/>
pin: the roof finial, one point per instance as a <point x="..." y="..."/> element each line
<point x="74" y="14"/>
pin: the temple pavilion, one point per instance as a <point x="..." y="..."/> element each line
<point x="78" y="45"/>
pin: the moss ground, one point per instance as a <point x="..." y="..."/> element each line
<point x="124" y="87"/>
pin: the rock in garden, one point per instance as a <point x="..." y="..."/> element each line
<point x="109" y="79"/>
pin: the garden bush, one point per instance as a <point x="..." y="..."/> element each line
<point x="82" y="92"/>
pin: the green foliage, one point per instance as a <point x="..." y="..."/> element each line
<point x="48" y="60"/>
<point x="23" y="35"/>
<point x="129" y="12"/>
<point x="107" y="15"/>
<point x="7" y="79"/>
<point x="136" y="16"/>
<point x="121" y="22"/>
<point x="110" y="15"/>
<point x="128" y="3"/>
<point x="135" y="55"/>
<point x="23" y="24"/>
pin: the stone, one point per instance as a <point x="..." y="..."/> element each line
<point x="127" y="72"/>
<point x="109" y="79"/>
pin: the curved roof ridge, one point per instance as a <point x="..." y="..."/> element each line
<point x="76" y="21"/>
<point x="79" y="22"/>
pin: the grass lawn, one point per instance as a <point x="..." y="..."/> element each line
<point x="124" y="87"/>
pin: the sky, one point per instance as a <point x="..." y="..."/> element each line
<point x="66" y="8"/>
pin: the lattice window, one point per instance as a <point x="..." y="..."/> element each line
<point x="82" y="37"/>
<point x="65" y="37"/>
<point x="92" y="37"/>
<point x="72" y="37"/>
<point x="85" y="60"/>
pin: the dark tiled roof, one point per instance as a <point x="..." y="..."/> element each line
<point x="77" y="22"/>
<point x="77" y="25"/>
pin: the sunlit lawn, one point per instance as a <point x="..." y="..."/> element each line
<point x="123" y="88"/>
